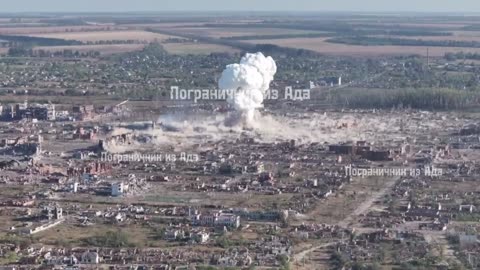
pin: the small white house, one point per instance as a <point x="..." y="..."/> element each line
<point x="201" y="237"/>
<point x="118" y="189"/>
<point x="90" y="258"/>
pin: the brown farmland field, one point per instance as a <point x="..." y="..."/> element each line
<point x="197" y="48"/>
<point x="106" y="35"/>
<point x="235" y="32"/>
<point x="321" y="46"/>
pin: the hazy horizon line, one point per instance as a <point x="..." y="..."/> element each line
<point x="386" y="12"/>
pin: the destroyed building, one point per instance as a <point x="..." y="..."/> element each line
<point x="27" y="111"/>
<point x="83" y="112"/>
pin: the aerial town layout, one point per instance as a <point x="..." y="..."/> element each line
<point x="239" y="142"/>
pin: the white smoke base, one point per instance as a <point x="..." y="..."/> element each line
<point x="203" y="132"/>
<point x="250" y="80"/>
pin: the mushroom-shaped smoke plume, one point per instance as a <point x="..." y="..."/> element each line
<point x="249" y="82"/>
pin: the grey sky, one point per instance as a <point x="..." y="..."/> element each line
<point x="239" y="5"/>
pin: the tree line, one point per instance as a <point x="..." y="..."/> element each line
<point x="383" y="41"/>
<point x="336" y="28"/>
<point x="451" y="56"/>
<point x="25" y="41"/>
<point x="427" y="98"/>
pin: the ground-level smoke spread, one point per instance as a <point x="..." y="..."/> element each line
<point x="250" y="79"/>
<point x="184" y="131"/>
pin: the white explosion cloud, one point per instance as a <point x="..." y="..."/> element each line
<point x="249" y="80"/>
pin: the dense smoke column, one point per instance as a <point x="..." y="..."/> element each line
<point x="250" y="80"/>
